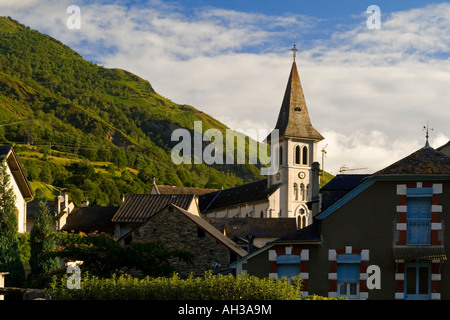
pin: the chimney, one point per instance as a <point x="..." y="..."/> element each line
<point x="315" y="186"/>
<point x="250" y="237"/>
<point x="66" y="201"/>
<point x="59" y="200"/>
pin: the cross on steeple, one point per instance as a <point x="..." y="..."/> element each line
<point x="294" y="50"/>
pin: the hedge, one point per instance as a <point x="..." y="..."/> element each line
<point x="209" y="287"/>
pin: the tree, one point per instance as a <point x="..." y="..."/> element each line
<point x="9" y="240"/>
<point x="42" y="240"/>
<point x="102" y="255"/>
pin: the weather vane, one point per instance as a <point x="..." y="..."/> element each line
<point x="427" y="130"/>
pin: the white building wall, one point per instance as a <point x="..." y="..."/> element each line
<point x="20" y="202"/>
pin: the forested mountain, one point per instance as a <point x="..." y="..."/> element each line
<point x="98" y="132"/>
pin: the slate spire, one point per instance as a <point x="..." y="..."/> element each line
<point x="293" y="119"/>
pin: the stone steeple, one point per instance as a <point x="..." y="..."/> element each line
<point x="298" y="171"/>
<point x="293" y="119"/>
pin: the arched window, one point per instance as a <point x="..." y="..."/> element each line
<point x="305" y="155"/>
<point x="302" y="220"/>
<point x="297" y="155"/>
<point x="302" y="192"/>
<point x="296" y="191"/>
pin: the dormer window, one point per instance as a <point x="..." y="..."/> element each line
<point x="297" y="109"/>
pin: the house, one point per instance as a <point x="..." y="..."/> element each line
<point x="19" y="183"/>
<point x="136" y="209"/>
<point x="59" y="209"/>
<point x="90" y="219"/>
<point x="392" y="221"/>
<point x="178" y="229"/>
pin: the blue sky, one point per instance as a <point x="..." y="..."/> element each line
<point x="369" y="92"/>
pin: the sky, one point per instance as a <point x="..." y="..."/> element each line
<point x="369" y="91"/>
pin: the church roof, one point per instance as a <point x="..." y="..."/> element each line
<point x="293" y="119"/>
<point x="162" y="189"/>
<point x="246" y="193"/>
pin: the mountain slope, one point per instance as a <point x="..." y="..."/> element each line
<point x="53" y="101"/>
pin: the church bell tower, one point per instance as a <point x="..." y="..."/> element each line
<point x="298" y="170"/>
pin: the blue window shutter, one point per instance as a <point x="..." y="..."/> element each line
<point x="348" y="272"/>
<point x="418" y="219"/>
<point x="288" y="265"/>
<point x="348" y="266"/>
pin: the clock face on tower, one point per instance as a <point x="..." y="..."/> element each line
<point x="301" y="175"/>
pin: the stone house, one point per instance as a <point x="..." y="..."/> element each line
<point x="179" y="229"/>
<point x="136" y="209"/>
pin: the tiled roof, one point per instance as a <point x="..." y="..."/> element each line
<point x="90" y="219"/>
<point x="246" y="193"/>
<point x="137" y="208"/>
<point x="419" y="253"/>
<point x="424" y="161"/>
<point x="259" y="227"/>
<point x="162" y="189"/>
<point x="309" y="233"/>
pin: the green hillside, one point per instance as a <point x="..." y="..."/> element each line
<point x="98" y="132"/>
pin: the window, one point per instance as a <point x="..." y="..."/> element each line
<point x="305" y="155"/>
<point x="288" y="266"/>
<point x="302" y="192"/>
<point x="301" y="218"/>
<point x="418" y="216"/>
<point x="417" y="281"/>
<point x="296" y="191"/>
<point x="297" y="155"/>
<point x="200" y="232"/>
<point x="348" y="266"/>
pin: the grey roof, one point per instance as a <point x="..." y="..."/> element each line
<point x="246" y="193"/>
<point x="293" y="119"/>
<point x="426" y="160"/>
<point x="258" y="227"/>
<point x="310" y="233"/>
<point x="90" y="219"/>
<point x="337" y="187"/>
<point x="137" y="208"/>
<point x="162" y="189"/>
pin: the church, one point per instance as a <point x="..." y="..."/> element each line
<point x="293" y="191"/>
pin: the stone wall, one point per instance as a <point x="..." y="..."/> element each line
<point x="177" y="231"/>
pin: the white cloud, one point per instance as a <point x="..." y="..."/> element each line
<point x="369" y="92"/>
